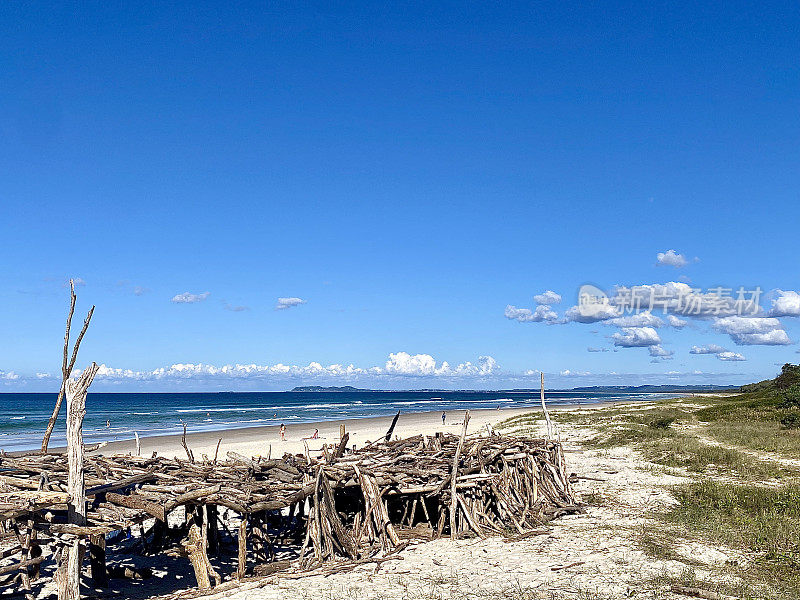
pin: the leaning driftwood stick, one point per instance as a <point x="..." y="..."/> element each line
<point x="189" y="453"/>
<point x="546" y="414"/>
<point x="342" y="446"/>
<point x="138" y="444"/>
<point x="391" y="427"/>
<point x="70" y="568"/>
<point x="66" y="366"/>
<point x="454" y="479"/>
<point x="216" y="452"/>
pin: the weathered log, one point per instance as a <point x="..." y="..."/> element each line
<point x="70" y="566"/>
<point x="21" y="565"/>
<point x="138" y="502"/>
<point x="195" y="548"/>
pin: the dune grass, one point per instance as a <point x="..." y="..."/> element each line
<point x="763" y="521"/>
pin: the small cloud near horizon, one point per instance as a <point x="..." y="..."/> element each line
<point x="189" y="298"/>
<point x="77" y="281"/>
<point x="234" y="308"/>
<point x="286" y="303"/>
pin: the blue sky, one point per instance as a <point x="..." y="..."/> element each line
<point x="408" y="172"/>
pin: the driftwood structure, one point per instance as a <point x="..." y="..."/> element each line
<point x="342" y="506"/>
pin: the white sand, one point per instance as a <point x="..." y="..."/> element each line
<point x="263" y="441"/>
<point x="596" y="555"/>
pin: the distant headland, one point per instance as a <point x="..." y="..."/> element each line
<point x="598" y="389"/>
<point x="333" y="388"/>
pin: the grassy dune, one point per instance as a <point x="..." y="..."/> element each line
<point x="741" y="453"/>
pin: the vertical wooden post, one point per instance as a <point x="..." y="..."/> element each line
<point x="242" y="565"/>
<point x="454" y="478"/>
<point x="97" y="560"/>
<point x="70" y="567"/>
<point x="213" y="528"/>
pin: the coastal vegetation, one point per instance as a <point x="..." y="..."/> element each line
<point x="739" y="455"/>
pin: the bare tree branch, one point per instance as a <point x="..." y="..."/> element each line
<point x="66" y="367"/>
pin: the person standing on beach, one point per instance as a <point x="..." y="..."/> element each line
<point x="444" y="416"/>
<point x="283" y="432"/>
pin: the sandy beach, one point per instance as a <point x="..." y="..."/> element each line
<point x="264" y="441"/>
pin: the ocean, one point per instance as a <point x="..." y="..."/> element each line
<point x="114" y="416"/>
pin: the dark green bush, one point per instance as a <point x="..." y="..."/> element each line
<point x="791" y="421"/>
<point x="791" y="397"/>
<point x="662" y="423"/>
<point x="789" y="377"/>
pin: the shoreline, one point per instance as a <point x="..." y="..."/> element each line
<point x="265" y="440"/>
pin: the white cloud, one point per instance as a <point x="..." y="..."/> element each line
<point x="592" y="313"/>
<point x="753" y="331"/>
<point x="592" y="349"/>
<point x="707" y="349"/>
<point x="79" y="281"/>
<point x="658" y="352"/>
<point x="786" y="304"/>
<point x="399" y="364"/>
<point x="407" y="364"/>
<point x="138" y="290"/>
<point x="732" y="356"/>
<point x="284" y="303"/>
<point x="403" y="363"/>
<point x="547" y="297"/>
<point x="671" y="258"/>
<point x="43" y="376"/>
<point x="189" y="298"/>
<point x="681" y="299"/>
<point x="568" y="373"/>
<point x="526" y="315"/>
<point x="642" y="319"/>
<point x="676" y="322"/>
<point x="410" y="372"/>
<point x="636" y="337"/>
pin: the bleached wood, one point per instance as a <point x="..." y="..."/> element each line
<point x="75" y="391"/>
<point x="454" y="478"/>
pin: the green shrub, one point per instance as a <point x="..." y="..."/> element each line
<point x="662" y="423"/>
<point x="791" y="397"/>
<point x="789" y="377"/>
<point x="791" y="421"/>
